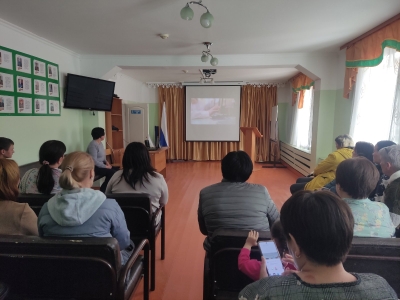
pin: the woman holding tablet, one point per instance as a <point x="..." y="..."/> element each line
<point x="319" y="231"/>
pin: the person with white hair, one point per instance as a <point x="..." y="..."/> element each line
<point x="390" y="163"/>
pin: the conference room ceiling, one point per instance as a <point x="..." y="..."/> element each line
<point x="175" y="74"/>
<point x="131" y="27"/>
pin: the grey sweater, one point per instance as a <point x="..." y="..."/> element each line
<point x="98" y="153"/>
<point x="235" y="205"/>
<point x="367" y="286"/>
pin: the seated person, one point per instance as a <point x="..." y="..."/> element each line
<point x="361" y="149"/>
<point x="234" y="203"/>
<point x="380" y="188"/>
<point x="15" y="218"/>
<point x="45" y="179"/>
<point x="79" y="211"/>
<point x="355" y="179"/>
<point x="97" y="152"/>
<point x="138" y="176"/>
<point x="390" y="164"/>
<point x="252" y="267"/>
<point x="319" y="230"/>
<point x="6" y="148"/>
<point x="325" y="171"/>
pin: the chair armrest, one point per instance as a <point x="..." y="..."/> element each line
<point x="127" y="267"/>
<point x="155" y="216"/>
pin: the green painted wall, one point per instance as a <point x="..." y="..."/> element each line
<point x="29" y="133"/>
<point x="90" y="121"/>
<point x="282" y="121"/>
<point x="326" y="117"/>
<point x="153" y="119"/>
<point x="343" y="108"/>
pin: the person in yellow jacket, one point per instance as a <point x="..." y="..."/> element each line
<point x="325" y="171"/>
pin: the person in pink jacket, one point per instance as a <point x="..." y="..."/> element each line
<point x="256" y="269"/>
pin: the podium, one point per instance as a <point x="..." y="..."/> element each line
<point x="250" y="135"/>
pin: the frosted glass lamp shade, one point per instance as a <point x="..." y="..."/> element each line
<point x="204" y="58"/>
<point x="214" y="61"/>
<point x="187" y="13"/>
<point x="206" y="19"/>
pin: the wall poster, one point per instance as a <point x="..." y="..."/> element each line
<point x="29" y="85"/>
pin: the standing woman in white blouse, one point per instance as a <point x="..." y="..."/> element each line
<point x="139" y="176"/>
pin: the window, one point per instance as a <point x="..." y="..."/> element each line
<point x="376" y="106"/>
<point x="301" y="129"/>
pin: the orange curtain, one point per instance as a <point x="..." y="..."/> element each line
<point x="256" y="105"/>
<point x="300" y="83"/>
<point x="368" y="52"/>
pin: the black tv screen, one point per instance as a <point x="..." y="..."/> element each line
<point x="88" y="93"/>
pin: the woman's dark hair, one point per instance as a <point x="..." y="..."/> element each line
<point x="322" y="225"/>
<point x="364" y="149"/>
<point x="49" y="154"/>
<point x="236" y="166"/>
<point x="279" y="237"/>
<point x="357" y="177"/>
<point x="382" y="144"/>
<point x="136" y="164"/>
<point x="97" y="133"/>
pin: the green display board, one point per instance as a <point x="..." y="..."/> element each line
<point x="29" y="86"/>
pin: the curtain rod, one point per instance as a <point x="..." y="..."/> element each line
<point x="373" y="30"/>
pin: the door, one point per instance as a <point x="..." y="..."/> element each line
<point x="137" y="122"/>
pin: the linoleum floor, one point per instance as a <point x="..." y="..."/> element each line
<point x="180" y="275"/>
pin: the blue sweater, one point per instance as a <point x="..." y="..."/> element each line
<point x="83" y="213"/>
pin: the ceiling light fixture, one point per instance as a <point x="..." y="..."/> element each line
<point x="187" y="14"/>
<point x="207" y="53"/>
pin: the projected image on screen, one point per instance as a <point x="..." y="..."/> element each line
<point x="211" y="111"/>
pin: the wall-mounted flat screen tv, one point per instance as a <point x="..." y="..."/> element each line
<point x="88" y="93"/>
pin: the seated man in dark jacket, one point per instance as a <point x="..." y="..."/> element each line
<point x="234" y="203"/>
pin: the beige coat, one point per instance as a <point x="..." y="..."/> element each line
<point x="17" y="219"/>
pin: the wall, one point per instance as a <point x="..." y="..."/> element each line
<point x="322" y="67"/>
<point x="29" y="133"/>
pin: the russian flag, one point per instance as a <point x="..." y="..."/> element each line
<point x="164" y="130"/>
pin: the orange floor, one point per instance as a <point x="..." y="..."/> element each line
<point x="180" y="275"/>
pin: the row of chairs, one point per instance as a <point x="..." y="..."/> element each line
<point x="142" y="224"/>
<point x="224" y="281"/>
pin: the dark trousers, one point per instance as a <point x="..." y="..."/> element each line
<point x="300" y="184"/>
<point x="108" y="173"/>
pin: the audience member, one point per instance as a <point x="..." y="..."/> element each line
<point x="6" y="148"/>
<point x="319" y="231"/>
<point x="252" y="267"/>
<point x="97" y="152"/>
<point x="234" y="203"/>
<point x="380" y="188"/>
<point x="355" y="179"/>
<point x="80" y="211"/>
<point x="45" y="179"/>
<point x="390" y="164"/>
<point x="138" y="176"/>
<point x="15" y="218"/>
<point x="361" y="149"/>
<point x="325" y="171"/>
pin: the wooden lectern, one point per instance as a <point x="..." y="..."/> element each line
<point x="250" y="134"/>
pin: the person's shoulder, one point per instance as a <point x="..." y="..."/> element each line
<point x="110" y="205"/>
<point x="263" y="286"/>
<point x="372" y="280"/>
<point x="31" y="172"/>
<point x="214" y="187"/>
